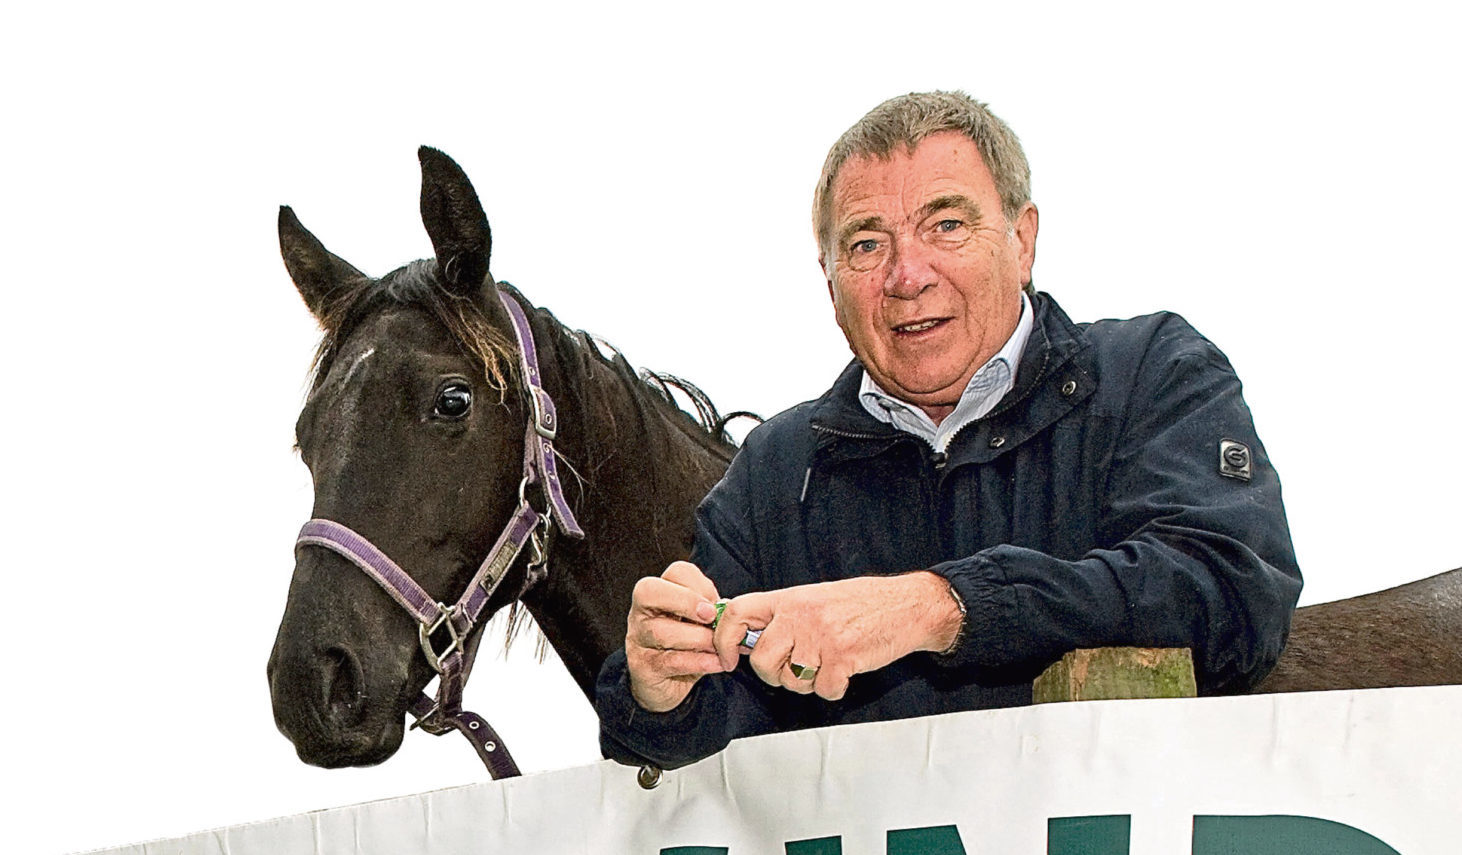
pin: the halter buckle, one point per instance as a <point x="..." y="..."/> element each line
<point x="425" y="631"/>
<point x="545" y="420"/>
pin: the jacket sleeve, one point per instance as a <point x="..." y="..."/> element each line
<point x="720" y="707"/>
<point x="1191" y="558"/>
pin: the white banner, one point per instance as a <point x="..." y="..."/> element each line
<point x="1340" y="773"/>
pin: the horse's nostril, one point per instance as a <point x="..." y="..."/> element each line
<point x="345" y="688"/>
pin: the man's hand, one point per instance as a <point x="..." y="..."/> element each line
<point x="668" y="642"/>
<point x="839" y="628"/>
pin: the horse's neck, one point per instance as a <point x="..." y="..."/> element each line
<point x="633" y="477"/>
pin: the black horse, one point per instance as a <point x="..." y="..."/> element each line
<point x="414" y="434"/>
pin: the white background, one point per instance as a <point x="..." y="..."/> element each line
<point x="1284" y="175"/>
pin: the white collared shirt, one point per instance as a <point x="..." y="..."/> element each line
<point x="992" y="382"/>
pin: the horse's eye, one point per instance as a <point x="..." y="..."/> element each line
<point x="453" y="401"/>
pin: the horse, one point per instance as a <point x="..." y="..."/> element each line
<point x="421" y="406"/>
<point x="1402" y="636"/>
<point x="415" y="408"/>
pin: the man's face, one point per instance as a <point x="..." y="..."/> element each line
<point x="925" y="273"/>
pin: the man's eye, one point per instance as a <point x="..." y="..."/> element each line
<point x="948" y="232"/>
<point x="863" y="247"/>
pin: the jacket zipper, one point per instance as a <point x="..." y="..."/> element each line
<point x="852" y="435"/>
<point x="807" y="476"/>
<point x="940" y="457"/>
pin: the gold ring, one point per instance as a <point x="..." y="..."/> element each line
<point x="802" y="672"/>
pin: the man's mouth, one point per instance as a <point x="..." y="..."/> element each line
<point x="918" y="326"/>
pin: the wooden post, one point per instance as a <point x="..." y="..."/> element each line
<point x="1112" y="673"/>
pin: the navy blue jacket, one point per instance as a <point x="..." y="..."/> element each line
<point x="1087" y="510"/>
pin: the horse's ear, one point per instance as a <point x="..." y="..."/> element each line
<point x="454" y="219"/>
<point x="321" y="276"/>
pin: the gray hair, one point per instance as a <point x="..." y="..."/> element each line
<point x="906" y="120"/>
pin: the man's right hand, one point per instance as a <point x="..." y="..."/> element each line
<point x="669" y="643"/>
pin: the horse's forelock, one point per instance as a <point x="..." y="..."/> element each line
<point x="418" y="284"/>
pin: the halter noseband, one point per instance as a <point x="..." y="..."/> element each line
<point x="454" y="661"/>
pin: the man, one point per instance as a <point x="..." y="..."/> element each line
<point x="985" y="488"/>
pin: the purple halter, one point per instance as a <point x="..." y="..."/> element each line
<point x="454" y="661"/>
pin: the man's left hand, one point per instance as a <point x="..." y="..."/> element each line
<point x="839" y="628"/>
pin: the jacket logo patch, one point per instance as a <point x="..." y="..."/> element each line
<point x="1234" y="460"/>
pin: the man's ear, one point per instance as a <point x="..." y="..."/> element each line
<point x="826" y="275"/>
<point x="1027" y="223"/>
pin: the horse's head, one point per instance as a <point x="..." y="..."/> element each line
<point x="413" y="434"/>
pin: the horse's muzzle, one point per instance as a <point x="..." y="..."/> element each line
<point x="322" y="705"/>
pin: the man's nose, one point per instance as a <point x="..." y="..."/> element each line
<point x="911" y="272"/>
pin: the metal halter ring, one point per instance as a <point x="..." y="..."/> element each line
<point x="424" y="632"/>
<point x="523" y="491"/>
<point x="546" y="517"/>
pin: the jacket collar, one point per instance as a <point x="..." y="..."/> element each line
<point x="1056" y="372"/>
<point x="838" y="411"/>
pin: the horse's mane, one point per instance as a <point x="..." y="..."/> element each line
<point x="650" y="389"/>
<point x="495" y="350"/>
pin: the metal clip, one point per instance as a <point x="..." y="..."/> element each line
<point x="538" y="539"/>
<point x="424" y="633"/>
<point x="425" y="723"/>
<point x="537" y="567"/>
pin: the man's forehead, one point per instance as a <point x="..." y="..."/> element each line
<point x="944" y="165"/>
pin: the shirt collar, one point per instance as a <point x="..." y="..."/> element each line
<point x="989" y="384"/>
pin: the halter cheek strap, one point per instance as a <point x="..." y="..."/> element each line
<point x="444" y="630"/>
<point x="538" y="455"/>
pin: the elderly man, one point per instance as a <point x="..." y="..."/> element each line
<point x="985" y="488"/>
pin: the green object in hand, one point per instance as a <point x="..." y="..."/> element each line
<point x="751" y="634"/>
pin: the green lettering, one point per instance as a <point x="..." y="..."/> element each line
<point x="1281" y="835"/>
<point x="1089" y="835"/>
<point x="932" y="840"/>
<point x="815" y="846"/>
<point x="694" y="850"/>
